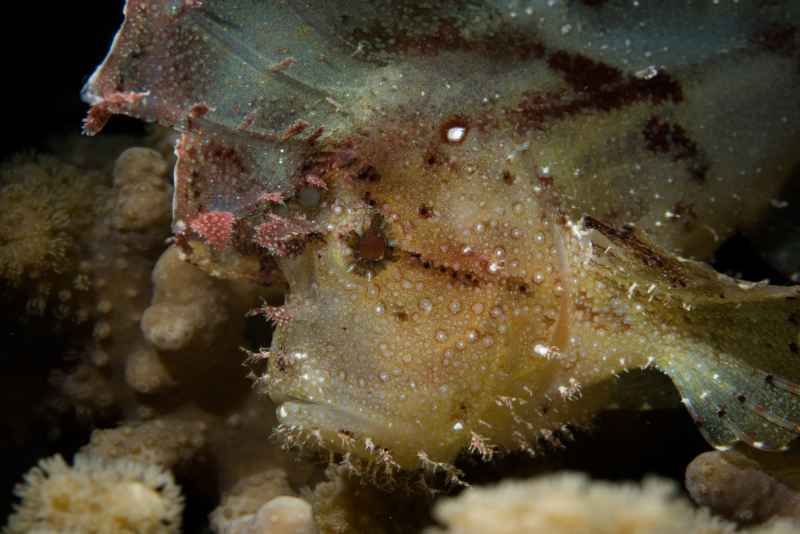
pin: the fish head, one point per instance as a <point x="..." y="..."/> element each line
<point x="406" y="316"/>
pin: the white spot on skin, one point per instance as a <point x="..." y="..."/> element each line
<point x="425" y="305"/>
<point x="541" y="350"/>
<point x="456" y="134"/>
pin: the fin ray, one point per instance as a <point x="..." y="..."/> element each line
<point x="732" y="401"/>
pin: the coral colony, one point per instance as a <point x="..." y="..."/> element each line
<point x="464" y="221"/>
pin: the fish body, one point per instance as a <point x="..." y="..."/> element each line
<point x="482" y="212"/>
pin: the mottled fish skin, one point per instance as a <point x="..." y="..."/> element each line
<point x="446" y="190"/>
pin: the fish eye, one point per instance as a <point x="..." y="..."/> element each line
<point x="371" y="248"/>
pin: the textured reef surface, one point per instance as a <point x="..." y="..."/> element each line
<point x="443" y="234"/>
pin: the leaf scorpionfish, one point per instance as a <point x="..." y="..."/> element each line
<point x="484" y="211"/>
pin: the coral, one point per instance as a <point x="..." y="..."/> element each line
<point x="570" y="502"/>
<point x="240" y="504"/>
<point x="157" y="322"/>
<point x="46" y="207"/>
<point x="263" y="503"/>
<point x="346" y="504"/>
<point x="145" y="372"/>
<point x="190" y="310"/>
<point x="284" y="515"/>
<point x="95" y="496"/>
<point x="86" y="389"/>
<point x="118" y="250"/>
<point x="740" y="489"/>
<point x="143" y="197"/>
<point x="281" y="515"/>
<point x="167" y="441"/>
<point x="160" y="335"/>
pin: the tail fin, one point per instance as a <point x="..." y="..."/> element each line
<point x="730" y="347"/>
<point x="738" y="369"/>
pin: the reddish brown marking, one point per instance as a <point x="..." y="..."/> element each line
<point x="96" y="119"/>
<point x="608" y="86"/>
<point x="226" y="160"/>
<point x="344" y="158"/>
<point x="248" y="120"/>
<point x="315" y="135"/>
<point x="271" y="197"/>
<point x="315" y="181"/>
<point x="199" y="110"/>
<point x="447" y="35"/>
<point x="432" y="157"/>
<point x="545" y="180"/>
<point x="582" y="73"/>
<point x="666" y="138"/>
<point x="112" y="104"/>
<point x="598" y="87"/>
<point x="216" y="227"/>
<point x="294" y="129"/>
<point x="425" y="212"/>
<point x="778" y="37"/>
<point x="627" y="238"/>
<point x="367" y="173"/>
<point x="283" y="65"/>
<point x="277" y="315"/>
<point x="662" y="136"/>
<point x="283" y="236"/>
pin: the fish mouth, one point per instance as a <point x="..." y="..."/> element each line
<point x="326" y="418"/>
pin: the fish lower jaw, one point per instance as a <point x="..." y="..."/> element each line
<point x="335" y="428"/>
<point x="357" y="436"/>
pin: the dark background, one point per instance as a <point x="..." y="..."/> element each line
<point x="49" y="50"/>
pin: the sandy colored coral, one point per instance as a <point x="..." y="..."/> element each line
<point x="145" y="372"/>
<point x="246" y="496"/>
<point x="95" y="496"/>
<point x="116" y="261"/>
<point x="143" y="198"/>
<point x="346" y="504"/>
<point x="188" y="308"/>
<point x="166" y="441"/>
<point x="86" y="389"/>
<point x="570" y="502"/>
<point x="284" y="515"/>
<point x="161" y="334"/>
<point x="263" y="503"/>
<point x="46" y="206"/>
<point x="158" y="324"/>
<point x="738" y="488"/>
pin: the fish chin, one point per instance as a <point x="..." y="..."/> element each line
<point x="325" y="418"/>
<point x="345" y="431"/>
